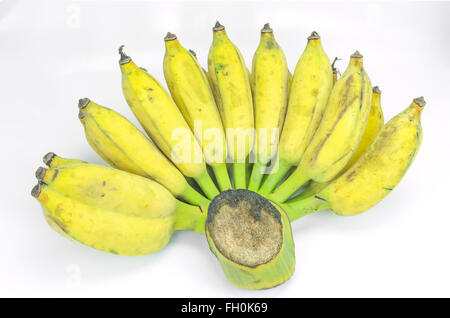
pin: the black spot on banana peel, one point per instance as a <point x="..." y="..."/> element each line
<point x="251" y="238"/>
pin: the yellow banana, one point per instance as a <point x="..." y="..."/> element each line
<point x="374" y="124"/>
<point x="112" y="210"/>
<point x="190" y="90"/>
<point x="164" y="123"/>
<point x="375" y="174"/>
<point x="270" y="78"/>
<point x="125" y="147"/>
<point x="194" y="55"/>
<point x="311" y="87"/>
<point x="52" y="160"/>
<point x="339" y="132"/>
<point x="231" y="86"/>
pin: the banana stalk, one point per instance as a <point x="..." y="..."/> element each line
<point x="112" y="210"/>
<point x="164" y="123"/>
<point x="190" y="90"/>
<point x="251" y="238"/>
<point x="311" y="86"/>
<point x="125" y="147"/>
<point x="231" y="86"/>
<point x="374" y="175"/>
<point x="339" y="132"/>
<point x="270" y="86"/>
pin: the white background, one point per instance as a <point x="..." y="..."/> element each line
<point x="55" y="52"/>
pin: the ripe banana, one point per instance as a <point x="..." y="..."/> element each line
<point x="231" y="86"/>
<point x="52" y="160"/>
<point x="374" y="124"/>
<point x="112" y="210"/>
<point x="270" y="79"/>
<point x="375" y="174"/>
<point x="194" y="55"/>
<point x="164" y="123"/>
<point x="125" y="147"/>
<point x="311" y="86"/>
<point x="339" y="132"/>
<point x="190" y="90"/>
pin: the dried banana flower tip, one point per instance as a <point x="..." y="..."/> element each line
<point x="420" y="101"/>
<point x="124" y="59"/>
<point x="170" y="37"/>
<point x="36" y="191"/>
<point x="83" y="102"/>
<point x="266" y="28"/>
<point x="48" y="158"/>
<point x="218" y="26"/>
<point x="40" y="173"/>
<point x="356" y="55"/>
<point x="376" y="90"/>
<point x="314" y="36"/>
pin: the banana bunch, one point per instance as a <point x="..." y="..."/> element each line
<point x="295" y="145"/>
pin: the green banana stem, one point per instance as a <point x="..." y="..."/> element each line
<point x="297" y="208"/>
<point x="289" y="186"/>
<point x="193" y="197"/>
<point x="222" y="177"/>
<point x="274" y="178"/>
<point x="189" y="217"/>
<point x="207" y="185"/>
<point x="256" y="176"/>
<point x="239" y="175"/>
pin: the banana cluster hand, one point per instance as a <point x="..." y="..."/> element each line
<point x="334" y="152"/>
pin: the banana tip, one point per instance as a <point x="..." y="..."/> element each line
<point x="124" y="59"/>
<point x="218" y="26"/>
<point x="48" y="158"/>
<point x="83" y="102"/>
<point x="376" y="90"/>
<point x="40" y="173"/>
<point x="314" y="36"/>
<point x="193" y="53"/>
<point x="81" y="115"/>
<point x="356" y="55"/>
<point x="36" y="190"/>
<point x="266" y="28"/>
<point x="170" y="37"/>
<point x="420" y="101"/>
